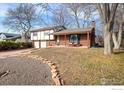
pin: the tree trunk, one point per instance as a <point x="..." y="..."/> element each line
<point x="115" y="41"/>
<point x="120" y="35"/>
<point x="108" y="49"/>
<point x="24" y="37"/>
<point x="117" y="38"/>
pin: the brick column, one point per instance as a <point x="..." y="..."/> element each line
<point x="49" y="39"/>
<point x="88" y="39"/>
<point x="65" y="39"/>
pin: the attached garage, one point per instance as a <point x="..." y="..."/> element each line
<point x="36" y="44"/>
<point x="43" y="44"/>
<point x="40" y="44"/>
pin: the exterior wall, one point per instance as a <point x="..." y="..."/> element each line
<point x="84" y="41"/>
<point x="42" y="35"/>
<point x="87" y="39"/>
<point x="63" y="42"/>
<point x="50" y="43"/>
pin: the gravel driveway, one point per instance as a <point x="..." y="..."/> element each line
<point x="24" y="71"/>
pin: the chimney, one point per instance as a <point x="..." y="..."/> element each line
<point x="93" y="24"/>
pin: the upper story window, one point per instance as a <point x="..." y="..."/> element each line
<point x="46" y="33"/>
<point x="34" y="33"/>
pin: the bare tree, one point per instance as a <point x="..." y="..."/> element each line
<point x="68" y="14"/>
<point x="55" y="16"/>
<point x="118" y="27"/>
<point x="80" y="13"/>
<point x="75" y="10"/>
<point x="21" y="19"/>
<point x="44" y="13"/>
<point x="88" y="14"/>
<point x="107" y="14"/>
<point x="60" y="17"/>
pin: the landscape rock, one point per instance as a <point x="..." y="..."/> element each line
<point x="55" y="73"/>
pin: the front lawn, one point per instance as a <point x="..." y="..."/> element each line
<point x="86" y="66"/>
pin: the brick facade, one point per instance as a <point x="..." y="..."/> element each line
<point x="84" y="40"/>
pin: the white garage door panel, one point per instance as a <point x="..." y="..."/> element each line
<point x="36" y="44"/>
<point x="43" y="44"/>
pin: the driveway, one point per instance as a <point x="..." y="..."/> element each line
<point x="14" y="53"/>
<point x="23" y="70"/>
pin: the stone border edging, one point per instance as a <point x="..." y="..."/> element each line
<point x="54" y="70"/>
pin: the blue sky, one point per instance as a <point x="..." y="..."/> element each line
<point x="3" y="10"/>
<point x="4" y="7"/>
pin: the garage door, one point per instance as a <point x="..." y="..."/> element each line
<point x="36" y="44"/>
<point x="43" y="44"/>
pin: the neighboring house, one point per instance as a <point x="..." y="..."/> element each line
<point x="51" y="37"/>
<point x="9" y="36"/>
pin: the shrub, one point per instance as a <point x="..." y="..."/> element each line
<point x="10" y="45"/>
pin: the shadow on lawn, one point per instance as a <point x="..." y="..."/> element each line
<point x="119" y="51"/>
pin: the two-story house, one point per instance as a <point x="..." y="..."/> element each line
<point x="59" y="36"/>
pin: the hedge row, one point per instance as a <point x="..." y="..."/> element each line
<point x="10" y="45"/>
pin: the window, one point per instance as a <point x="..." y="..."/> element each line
<point x="34" y="33"/>
<point x="74" y="39"/>
<point x="46" y="33"/>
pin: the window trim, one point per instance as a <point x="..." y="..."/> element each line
<point x="35" y="33"/>
<point x="76" y="40"/>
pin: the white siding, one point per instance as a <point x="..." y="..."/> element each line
<point x="42" y="35"/>
<point x="38" y="35"/>
<point x="31" y="36"/>
<point x="46" y="35"/>
<point x="34" y="37"/>
<point x="51" y="36"/>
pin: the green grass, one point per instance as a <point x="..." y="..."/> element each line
<point x="86" y="66"/>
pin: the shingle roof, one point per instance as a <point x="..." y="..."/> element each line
<point x="73" y="31"/>
<point x="15" y="37"/>
<point x="10" y="34"/>
<point x="56" y="28"/>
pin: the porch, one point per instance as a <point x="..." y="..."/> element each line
<point x="71" y="39"/>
